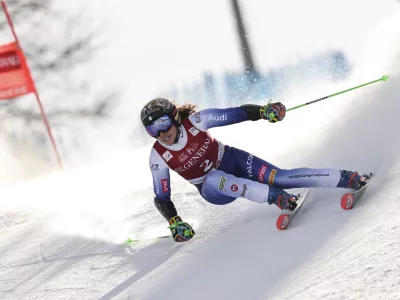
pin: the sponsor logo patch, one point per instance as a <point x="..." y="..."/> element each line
<point x="307" y="175"/>
<point x="167" y="155"/>
<point x="222" y="183"/>
<point x="222" y="117"/>
<point x="243" y="194"/>
<point x="285" y="222"/>
<point x="156" y="185"/>
<point x="198" y="119"/>
<point x="271" y="178"/>
<point x="154" y="166"/>
<point x="197" y="154"/>
<point x="164" y="185"/>
<point x="349" y="201"/>
<point x="194" y="131"/>
<point x="261" y="173"/>
<point x="249" y="165"/>
<point x="183" y="157"/>
<point x="234" y="188"/>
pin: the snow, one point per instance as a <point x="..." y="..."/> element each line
<point x="61" y="236"/>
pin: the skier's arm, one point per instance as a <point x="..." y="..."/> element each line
<point x="216" y="117"/>
<point x="180" y="230"/>
<point x="161" y="185"/>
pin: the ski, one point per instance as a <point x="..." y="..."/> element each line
<point x="348" y="200"/>
<point x="287" y="216"/>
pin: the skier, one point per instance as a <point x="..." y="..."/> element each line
<point x="222" y="173"/>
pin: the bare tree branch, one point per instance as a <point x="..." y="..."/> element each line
<point x="53" y="58"/>
<point x="59" y="49"/>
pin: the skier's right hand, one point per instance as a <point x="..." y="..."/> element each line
<point x="181" y="231"/>
<point x="273" y="112"/>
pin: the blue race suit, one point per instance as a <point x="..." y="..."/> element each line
<point x="223" y="173"/>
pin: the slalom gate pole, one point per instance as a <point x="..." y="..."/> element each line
<point x="42" y="112"/>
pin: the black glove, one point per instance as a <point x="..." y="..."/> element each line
<point x="181" y="231"/>
<point x="273" y="112"/>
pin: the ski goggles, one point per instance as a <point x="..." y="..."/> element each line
<point x="162" y="124"/>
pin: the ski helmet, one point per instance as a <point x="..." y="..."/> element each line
<point x="157" y="108"/>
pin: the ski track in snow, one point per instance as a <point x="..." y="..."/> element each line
<point x="73" y="248"/>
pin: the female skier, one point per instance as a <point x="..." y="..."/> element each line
<point x="220" y="172"/>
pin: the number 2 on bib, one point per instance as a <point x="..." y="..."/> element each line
<point x="207" y="164"/>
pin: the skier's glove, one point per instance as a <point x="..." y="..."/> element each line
<point x="273" y="112"/>
<point x="181" y="231"/>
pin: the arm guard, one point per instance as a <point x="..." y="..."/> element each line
<point x="166" y="208"/>
<point x="253" y="111"/>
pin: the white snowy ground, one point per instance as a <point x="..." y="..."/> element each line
<point x="61" y="237"/>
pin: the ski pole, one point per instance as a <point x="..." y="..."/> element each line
<point x="383" y="78"/>
<point x="130" y="241"/>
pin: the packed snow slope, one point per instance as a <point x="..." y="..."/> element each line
<point x="61" y="237"/>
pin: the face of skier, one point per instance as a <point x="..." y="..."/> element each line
<point x="163" y="129"/>
<point x="169" y="136"/>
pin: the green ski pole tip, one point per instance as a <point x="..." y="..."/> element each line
<point x="129" y="241"/>
<point x="385" y="78"/>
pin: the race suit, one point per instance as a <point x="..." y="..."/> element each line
<point x="222" y="173"/>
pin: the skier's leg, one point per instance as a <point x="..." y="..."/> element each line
<point x="244" y="164"/>
<point x="222" y="188"/>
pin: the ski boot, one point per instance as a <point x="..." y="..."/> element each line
<point x="282" y="199"/>
<point x="352" y="180"/>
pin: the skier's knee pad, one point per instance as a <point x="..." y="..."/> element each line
<point x="214" y="183"/>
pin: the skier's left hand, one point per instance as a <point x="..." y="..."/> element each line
<point x="181" y="231"/>
<point x="273" y="112"/>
